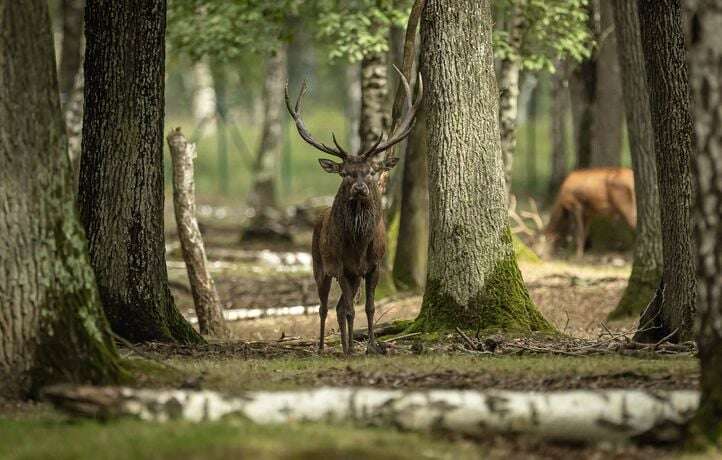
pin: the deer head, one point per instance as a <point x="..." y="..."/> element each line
<point x="360" y="171"/>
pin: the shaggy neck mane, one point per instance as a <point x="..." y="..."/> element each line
<point x="357" y="218"/>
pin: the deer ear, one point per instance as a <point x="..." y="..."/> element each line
<point x="330" y="166"/>
<point x="389" y="163"/>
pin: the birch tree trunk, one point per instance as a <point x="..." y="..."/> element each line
<point x="473" y="280"/>
<point x="204" y="97"/>
<point x="71" y="50"/>
<point x="672" y="309"/>
<point x="509" y="70"/>
<point x="52" y="327"/>
<point x="209" y="310"/>
<point x="73" y="115"/>
<point x="121" y="171"/>
<point x="220" y="89"/>
<point x="705" y="59"/>
<point x="559" y="109"/>
<point x="647" y="262"/>
<point x="353" y="106"/>
<point x="580" y="416"/>
<point x="264" y="193"/>
<point x="375" y="117"/>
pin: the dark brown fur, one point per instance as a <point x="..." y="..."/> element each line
<point x="349" y="242"/>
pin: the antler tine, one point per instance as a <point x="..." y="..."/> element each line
<point x="335" y="142"/>
<point x="303" y="132"/>
<point x="403" y="129"/>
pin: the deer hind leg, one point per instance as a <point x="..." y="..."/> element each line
<point x="324" y="285"/>
<point x="580" y="223"/>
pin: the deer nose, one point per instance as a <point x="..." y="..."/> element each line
<point x="359" y="188"/>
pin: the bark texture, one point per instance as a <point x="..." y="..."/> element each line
<point x="73" y="115"/>
<point x="560" y="109"/>
<point x="581" y="416"/>
<point x="375" y="117"/>
<point x="71" y="50"/>
<point x="647" y="263"/>
<point x="509" y="70"/>
<point x="473" y="280"/>
<point x="209" y="310"/>
<point x="705" y="58"/>
<point x="264" y="193"/>
<point x="412" y="244"/>
<point x="121" y="171"/>
<point x="673" y="306"/>
<point x="204" y="98"/>
<point x="353" y="106"/>
<point x="52" y="327"/>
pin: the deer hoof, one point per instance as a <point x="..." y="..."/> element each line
<point x="376" y="348"/>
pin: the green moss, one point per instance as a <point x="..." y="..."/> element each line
<point x="522" y="252"/>
<point x="640" y="290"/>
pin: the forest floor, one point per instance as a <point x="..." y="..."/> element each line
<point x="279" y="353"/>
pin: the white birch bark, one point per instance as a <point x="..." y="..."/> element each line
<point x="587" y="416"/>
<point x="205" y="297"/>
<point x="204" y="97"/>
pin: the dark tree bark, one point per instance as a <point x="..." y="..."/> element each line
<point x="672" y="309"/>
<point x="473" y="280"/>
<point x="52" y="327"/>
<point x="647" y="263"/>
<point x="608" y="111"/>
<point x="412" y="244"/>
<point x="71" y="51"/>
<point x="264" y="191"/>
<point x="560" y="109"/>
<point x="596" y="95"/>
<point x="705" y="59"/>
<point x="121" y="171"/>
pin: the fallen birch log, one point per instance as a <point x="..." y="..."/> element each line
<point x="588" y="416"/>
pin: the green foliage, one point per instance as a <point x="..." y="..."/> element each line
<point x="550" y="30"/>
<point x="226" y="30"/>
<point x="355" y="28"/>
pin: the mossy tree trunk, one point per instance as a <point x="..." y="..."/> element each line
<point x="412" y="245"/>
<point x="121" y="171"/>
<point x="473" y="280"/>
<point x="672" y="308"/>
<point x="647" y="263"/>
<point x="705" y="59"/>
<point x="264" y="191"/>
<point x="52" y="327"/>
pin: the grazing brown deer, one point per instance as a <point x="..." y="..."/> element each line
<point x="349" y="240"/>
<point x="585" y="193"/>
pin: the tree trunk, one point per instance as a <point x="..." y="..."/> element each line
<point x="473" y="280"/>
<point x="204" y="98"/>
<point x="509" y="70"/>
<point x="71" y="51"/>
<point x="583" y="91"/>
<point x="705" y="59"/>
<point x="205" y="297"/>
<point x="647" y="263"/>
<point x="220" y="88"/>
<point x="672" y="308"/>
<point x="73" y="115"/>
<point x="121" y="171"/>
<point x="264" y="193"/>
<point x="375" y="117"/>
<point x="579" y="416"/>
<point x="353" y="106"/>
<point x="412" y="245"/>
<point x="608" y="110"/>
<point x="559" y="109"/>
<point x="531" y="139"/>
<point x="52" y="327"/>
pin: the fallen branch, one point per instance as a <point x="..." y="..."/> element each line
<point x="587" y="416"/>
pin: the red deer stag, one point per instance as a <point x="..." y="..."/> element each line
<point x="349" y="239"/>
<point x="607" y="192"/>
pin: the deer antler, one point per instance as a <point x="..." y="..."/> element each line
<point x="303" y="132"/>
<point x="534" y="215"/>
<point x="404" y="127"/>
<point x="520" y="226"/>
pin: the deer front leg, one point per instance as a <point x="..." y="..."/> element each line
<point x="343" y="310"/>
<point x="350" y="312"/>
<point x="372" y="279"/>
